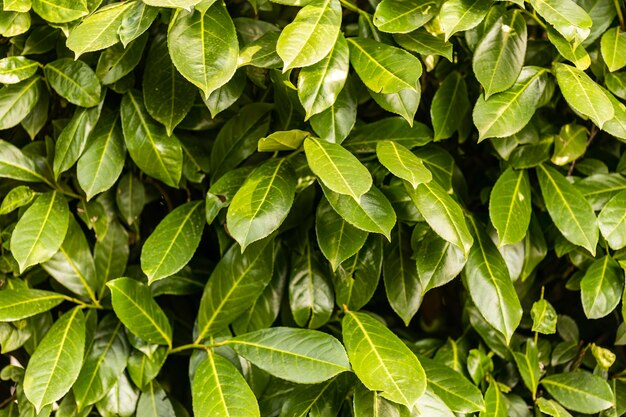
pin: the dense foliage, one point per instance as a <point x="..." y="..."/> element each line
<point x="312" y="207"/>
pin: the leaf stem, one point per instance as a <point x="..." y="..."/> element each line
<point x="354" y="7"/>
<point x="96" y="305"/>
<point x="194" y="345"/>
<point x="620" y="15"/>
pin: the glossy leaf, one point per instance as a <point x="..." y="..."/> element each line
<point x="579" y="391"/>
<point x="460" y="15"/>
<point x="403" y="16"/>
<point x="74" y="81"/>
<point x="601" y="287"/>
<point x="18" y="304"/>
<point x="18" y="100"/>
<point x="16" y="68"/>
<point x="612" y="221"/>
<point x="509" y="206"/>
<point x="449" y="107"/>
<point x="402" y="163"/>
<point x="60" y="11"/>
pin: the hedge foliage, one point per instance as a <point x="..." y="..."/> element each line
<point x="312" y="208"/>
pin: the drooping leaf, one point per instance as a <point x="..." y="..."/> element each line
<point x="601" y="287"/>
<point x="174" y="241"/>
<point x="568" y="18"/>
<point x="460" y="15"/>
<point x="579" y="391"/>
<point x="438" y="261"/>
<point x="134" y="306"/>
<point x="381" y="361"/>
<point x="528" y="366"/>
<point x="402" y="163"/>
<point x="509" y="206"/>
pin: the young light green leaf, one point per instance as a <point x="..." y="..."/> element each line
<point x="101" y="165"/>
<point x="203" y="46"/>
<point x="336" y="122"/>
<point x="383" y="68"/>
<point x="583" y="94"/>
<point x="506" y="113"/>
<point x="18" y="304"/>
<point x="18" y="100"/>
<point x="509" y="206"/>
<point x="75" y="81"/>
<point x="135" y="21"/>
<point x="14" y="69"/>
<point x="495" y="402"/>
<point x="19" y="196"/>
<point x="174" y="241"/>
<point x="237" y="280"/>
<point x="16" y="165"/>
<point x="337" y="168"/>
<point x="283" y="140"/>
<point x="576" y="54"/>
<point x="179" y="4"/>
<point x="567" y="17"/>
<point x="544" y="317"/>
<point x="568" y="208"/>
<point x="312" y="34"/>
<point x="552" y="408"/>
<point x="262" y="203"/>
<point x="404" y="102"/>
<point x="499" y="56"/>
<point x="372" y="212"/>
<point x="298" y="355"/>
<point x="98" y="30"/>
<point x="40" y="231"/>
<point x="528" y="366"/>
<point x="423" y="42"/>
<point x="371" y="404"/>
<point x="320" y="84"/>
<point x="104" y="363"/>
<point x="381" y="360"/>
<point x="150" y="148"/>
<point x="220" y="390"/>
<point x="60" y="11"/>
<point x="452" y="387"/>
<point x="601" y="287"/>
<point x="612" y="221"/>
<point x="449" y="106"/>
<point x="443" y="214"/>
<point x="338" y="240"/>
<point x="579" y="391"/>
<point x="56" y="363"/>
<point x="134" y="306"/>
<point x="612" y="43"/>
<point x="438" y="261"/>
<point x="402" y="163"/>
<point x="570" y="144"/>
<point x="395" y="16"/>
<point x="402" y="284"/>
<point x="460" y="15"/>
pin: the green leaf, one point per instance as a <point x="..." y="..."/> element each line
<point x="14" y="69"/>
<point x="509" y="206"/>
<point x="73" y="139"/>
<point x="579" y="391"/>
<point x="337" y="168"/>
<point x="320" y="84"/>
<point x="181" y="4"/>
<point x="203" y="47"/>
<point x="338" y="240"/>
<point x="298" y="355"/>
<point x="612" y="221"/>
<point x="568" y="18"/>
<point x="423" y="42"/>
<point x="74" y="81"/>
<point x="570" y="144"/>
<point x="499" y="56"/>
<point x="443" y="214"/>
<point x="528" y="366"/>
<point x="286" y="140"/>
<point x="111" y="253"/>
<point x="576" y="54"/>
<point x="402" y="163"/>
<point x="40" y="231"/>
<point x="371" y="404"/>
<point x="372" y="212"/>
<point x="101" y="165"/>
<point x="261" y="52"/>
<point x="395" y="16"/>
<point x="118" y="61"/>
<point x="16" y="165"/>
<point x="56" y="363"/>
<point x="438" y="261"/>
<point x="495" y="402"/>
<point x="489" y="284"/>
<point x="219" y="390"/>
<point x="311" y="35"/>
<point x="383" y="68"/>
<point x="134" y="306"/>
<point x="453" y="388"/>
<point x="613" y="41"/>
<point x="154" y="402"/>
<point x="73" y="266"/>
<point x="150" y="148"/>
<point x="449" y="106"/>
<point x="461" y="15"/>
<point x="60" y="11"/>
<point x="506" y="113"/>
<point x="237" y="280"/>
<point x="165" y="92"/>
<point x="583" y="94"/>
<point x="403" y="103"/>
<point x="381" y="361"/>
<point x="104" y="363"/>
<point x="98" y="30"/>
<point x="130" y="198"/>
<point x="262" y="203"/>
<point x="336" y="122"/>
<point x="174" y="241"/>
<point x="225" y="96"/>
<point x="569" y="210"/>
<point x="18" y="100"/>
<point x="365" y="139"/>
<point x="402" y="284"/>
<point x="121" y="400"/>
<point x="18" y="304"/>
<point x="601" y="287"/>
<point x="135" y="21"/>
<point x="19" y="196"/>
<point x="552" y="408"/>
<point x="544" y="317"/>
